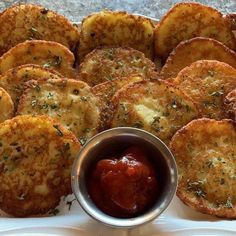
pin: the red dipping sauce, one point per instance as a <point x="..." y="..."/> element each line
<point x="124" y="185"/>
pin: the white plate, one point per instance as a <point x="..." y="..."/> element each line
<point x="44" y="231"/>
<point x="177" y="220"/>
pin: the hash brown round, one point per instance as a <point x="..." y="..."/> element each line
<point x="205" y="152"/>
<point x="71" y="102"/>
<point x="155" y="106"/>
<point x="36" y="156"/>
<point x="187" y="20"/>
<point x="116" y="29"/>
<point x="6" y="106"/>
<point x="23" y="22"/>
<point x="207" y="82"/>
<point x="193" y="50"/>
<point x="14" y="79"/>
<point x="105" y="91"/>
<point x="106" y="64"/>
<point x="47" y="54"/>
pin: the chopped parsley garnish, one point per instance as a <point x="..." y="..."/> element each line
<point x="86" y="130"/>
<point x="82" y="140"/>
<point x="50" y="95"/>
<point x="69" y="203"/>
<point x="209" y="164"/>
<point x="34" y="34"/>
<point x="217" y="94"/>
<point x="228" y="203"/>
<point x="37" y="88"/>
<point x="83" y="98"/>
<point x="138" y="125"/>
<point x="56" y="61"/>
<point x="59" y="132"/>
<point x="197" y="188"/>
<point x="53" y="106"/>
<point x="54" y="212"/>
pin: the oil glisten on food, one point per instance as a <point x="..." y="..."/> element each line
<point x="124" y="185"/>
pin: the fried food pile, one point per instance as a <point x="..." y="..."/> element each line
<point x="60" y="84"/>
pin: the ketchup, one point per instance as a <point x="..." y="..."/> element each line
<point x="124" y="185"/>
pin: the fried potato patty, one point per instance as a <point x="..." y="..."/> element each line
<point x="205" y="152"/>
<point x="207" y="82"/>
<point x="230" y="104"/>
<point x="14" y="79"/>
<point x="188" y="20"/>
<point x="26" y="22"/>
<point x="36" y="155"/>
<point x="111" y="63"/>
<point x="193" y="50"/>
<point x="105" y="91"/>
<point x="69" y="101"/>
<point x="44" y="53"/>
<point x="116" y="29"/>
<point x="6" y="106"/>
<point x="155" y="106"/>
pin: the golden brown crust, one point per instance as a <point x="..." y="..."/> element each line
<point x="116" y="29"/>
<point x="105" y="91"/>
<point x="207" y="82"/>
<point x="36" y="156"/>
<point x="230" y="104"/>
<point x="155" y="106"/>
<point x="23" y="22"/>
<point x="6" y="106"/>
<point x="205" y="152"/>
<point x="106" y="64"/>
<point x="232" y="18"/>
<point x="71" y="102"/>
<point x="188" y="20"/>
<point x="193" y="50"/>
<point x="40" y="52"/>
<point x="14" y="79"/>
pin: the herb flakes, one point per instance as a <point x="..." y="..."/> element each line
<point x="197" y="188"/>
<point x="59" y="132"/>
<point x="228" y="203"/>
<point x="217" y="94"/>
<point x="138" y="125"/>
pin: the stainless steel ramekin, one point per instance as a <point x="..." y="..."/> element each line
<point x="109" y="142"/>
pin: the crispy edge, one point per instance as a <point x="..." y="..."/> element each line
<point x="82" y="50"/>
<point x="15" y="8"/>
<point x="153" y="69"/>
<point x="33" y="83"/>
<point x="105" y="91"/>
<point x="184" y="73"/>
<point x="69" y="58"/>
<point x="9" y="103"/>
<point x="185" y="199"/>
<point x="35" y="121"/>
<point x="161" y="53"/>
<point x="170" y="71"/>
<point x="15" y="70"/>
<point x="122" y="93"/>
